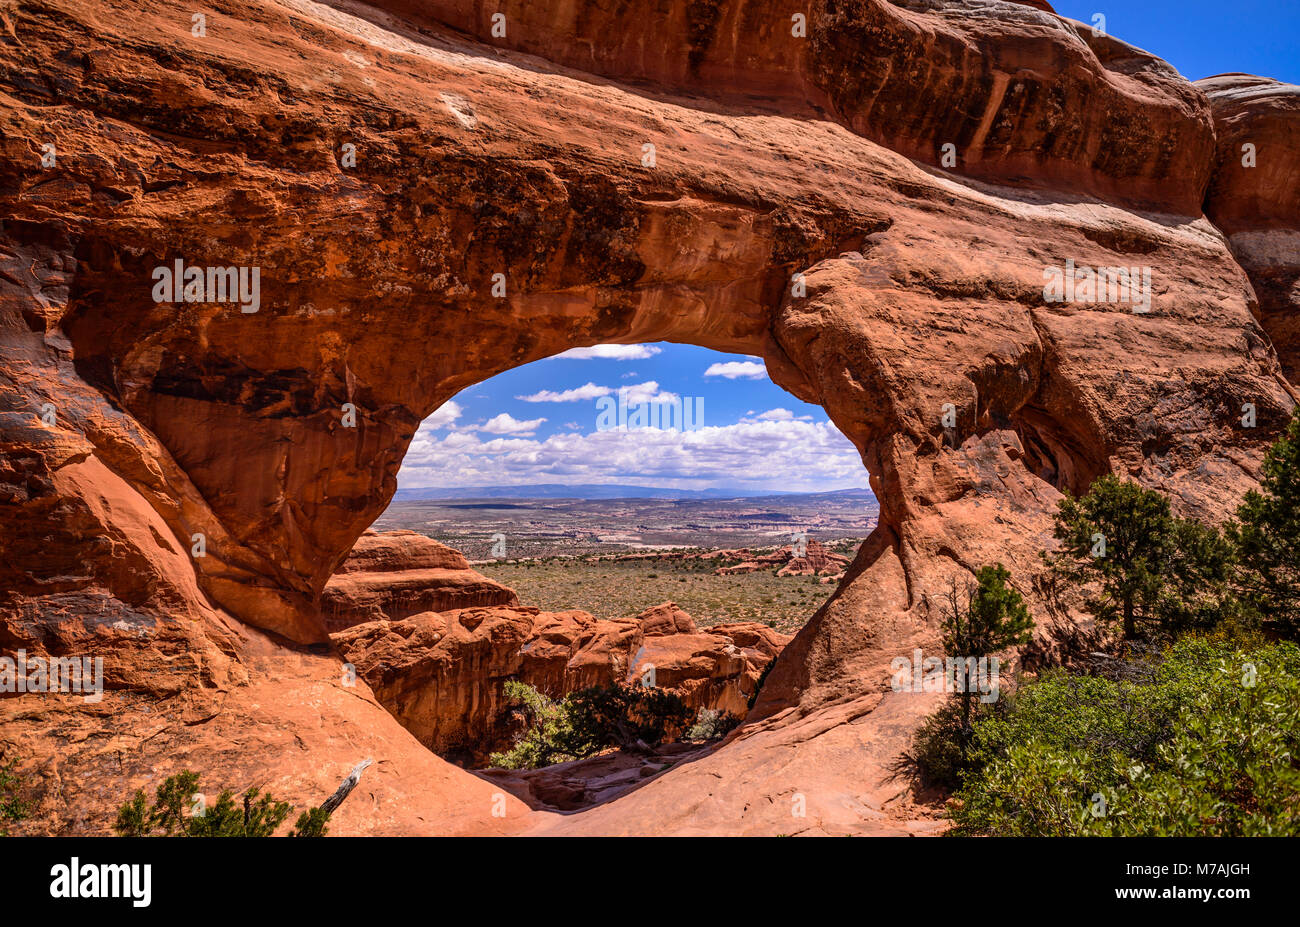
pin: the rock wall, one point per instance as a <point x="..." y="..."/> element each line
<point x="397" y="574"/>
<point x="196" y="473"/>
<point x="1021" y="94"/>
<point x="1254" y="198"/>
<point x="442" y="675"/>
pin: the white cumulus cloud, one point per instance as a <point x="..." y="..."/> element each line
<point x="613" y="352"/>
<point x="780" y="455"/>
<point x="443" y="416"/>
<point x="648" y="391"/>
<point x="776" y="415"/>
<point x="736" y="370"/>
<point x="578" y="394"/>
<point x="507" y="424"/>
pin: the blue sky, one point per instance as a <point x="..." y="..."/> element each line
<point x="1205" y="37"/>
<point x="539" y="424"/>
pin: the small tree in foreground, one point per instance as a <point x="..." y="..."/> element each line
<point x="1117" y="536"/>
<point x="1141" y="564"/>
<point x="1267" y="536"/>
<point x="988" y="616"/>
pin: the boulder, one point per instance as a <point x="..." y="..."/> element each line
<point x="401" y="573"/>
<point x="442" y="675"/>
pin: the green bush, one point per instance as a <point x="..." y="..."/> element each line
<point x="590" y="720"/>
<point x="626" y="716"/>
<point x="544" y="741"/>
<point x="712" y="725"/>
<point x="939" y="750"/>
<point x="1267" y="537"/>
<point x="1192" y="749"/>
<point x="12" y="807"/>
<point x="172" y="813"/>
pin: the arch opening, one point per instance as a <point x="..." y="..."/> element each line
<point x="653" y="514"/>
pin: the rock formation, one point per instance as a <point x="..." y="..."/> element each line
<point x="442" y="674"/>
<point x="401" y="573"/>
<point x="815" y="560"/>
<point x="1254" y="196"/>
<point x="870" y="206"/>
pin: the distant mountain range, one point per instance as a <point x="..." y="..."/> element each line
<point x="605" y="491"/>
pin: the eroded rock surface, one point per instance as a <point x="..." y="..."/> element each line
<point x="1254" y="197"/>
<point x="442" y="675"/>
<point x="397" y="574"/>
<point x="193" y="470"/>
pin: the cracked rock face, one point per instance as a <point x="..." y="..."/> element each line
<point x="205" y="470"/>
<point x="1254" y="198"/>
<point x="442" y="674"/>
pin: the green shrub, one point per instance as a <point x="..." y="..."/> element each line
<point x="712" y="725"/>
<point x="172" y="813"/>
<point x="12" y="807"/>
<point x="590" y="720"/>
<point x="1267" y="536"/>
<point x="626" y="716"/>
<point x="938" y="755"/>
<point x="547" y="729"/>
<point x="311" y="823"/>
<point x="1190" y="750"/>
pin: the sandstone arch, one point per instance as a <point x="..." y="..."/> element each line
<point x="924" y="288"/>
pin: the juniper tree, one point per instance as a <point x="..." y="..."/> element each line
<point x="985" y="618"/>
<point x="1144" y="564"/>
<point x="1267" y="535"/>
<point x="1118" y="536"/>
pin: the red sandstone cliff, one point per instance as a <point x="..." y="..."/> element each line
<point x="135" y="433"/>
<point x="442" y="674"/>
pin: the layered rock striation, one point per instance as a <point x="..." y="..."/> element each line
<point x="442" y="674"/>
<point x="398" y="574"/>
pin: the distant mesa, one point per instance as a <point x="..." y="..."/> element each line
<point x="816" y="560"/>
<point x="604" y="491"/>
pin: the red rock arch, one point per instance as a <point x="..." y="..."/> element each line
<point x="923" y="290"/>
